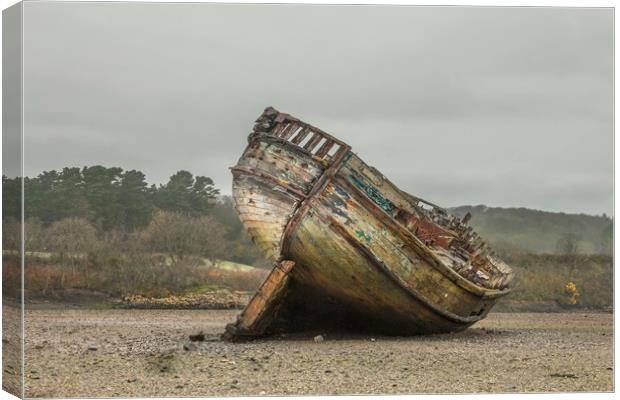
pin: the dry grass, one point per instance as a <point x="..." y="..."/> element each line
<point x="545" y="278"/>
<point x="237" y="279"/>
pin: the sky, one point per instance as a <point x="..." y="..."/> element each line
<point x="508" y="107"/>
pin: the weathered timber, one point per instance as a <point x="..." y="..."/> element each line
<point x="263" y="307"/>
<point x="374" y="255"/>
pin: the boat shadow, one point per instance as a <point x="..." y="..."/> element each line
<point x="344" y="335"/>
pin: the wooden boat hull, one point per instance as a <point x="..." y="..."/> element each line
<point x="330" y="217"/>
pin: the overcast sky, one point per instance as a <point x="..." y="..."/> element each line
<point x="504" y="107"/>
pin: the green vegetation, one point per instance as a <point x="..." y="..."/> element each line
<point x="104" y="229"/>
<point x="117" y="202"/>
<point x="167" y="256"/>
<point x="545" y="277"/>
<point x="549" y="251"/>
<point x="109" y="198"/>
<point x="523" y="230"/>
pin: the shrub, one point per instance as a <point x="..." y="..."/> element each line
<point x="179" y="235"/>
<point x="543" y="277"/>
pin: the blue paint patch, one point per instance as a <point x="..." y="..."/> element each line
<point x="336" y="204"/>
<point x="373" y="193"/>
<point x="342" y="192"/>
<point x="344" y="215"/>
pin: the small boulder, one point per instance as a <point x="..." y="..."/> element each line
<point x="198" y="337"/>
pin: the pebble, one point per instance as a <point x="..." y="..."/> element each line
<point x="411" y="364"/>
<point x="189" y="347"/>
<point x="198" y="337"/>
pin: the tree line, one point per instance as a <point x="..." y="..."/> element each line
<point x="110" y="198"/>
<point x="106" y="229"/>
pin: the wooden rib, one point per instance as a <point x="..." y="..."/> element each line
<point x="278" y="129"/>
<point x="292" y="128"/>
<point x="325" y="148"/>
<point x="316" y="138"/>
<point x="336" y="147"/>
<point x="301" y="135"/>
<point x="286" y="127"/>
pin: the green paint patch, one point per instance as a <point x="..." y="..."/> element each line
<point x="363" y="235"/>
<point x="373" y="193"/>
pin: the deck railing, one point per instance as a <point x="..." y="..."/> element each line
<point x="320" y="144"/>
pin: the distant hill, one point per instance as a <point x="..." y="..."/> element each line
<point x="514" y="229"/>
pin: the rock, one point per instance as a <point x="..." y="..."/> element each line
<point x="189" y="347"/>
<point x="318" y="338"/>
<point x="563" y="375"/>
<point x="198" y="337"/>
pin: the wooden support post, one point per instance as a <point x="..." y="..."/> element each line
<point x="262" y="309"/>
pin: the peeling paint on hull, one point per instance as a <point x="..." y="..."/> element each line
<point x="346" y="234"/>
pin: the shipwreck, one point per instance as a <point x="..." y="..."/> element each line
<point x="350" y="249"/>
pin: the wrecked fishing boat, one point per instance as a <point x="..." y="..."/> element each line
<point x="350" y="249"/>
